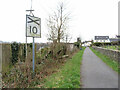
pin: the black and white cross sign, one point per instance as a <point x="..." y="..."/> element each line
<point x="33" y="26"/>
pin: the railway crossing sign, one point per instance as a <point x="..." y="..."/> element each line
<point x="33" y="29"/>
<point x="33" y="26"/>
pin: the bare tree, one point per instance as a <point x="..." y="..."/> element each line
<point x="57" y="23"/>
<point x="67" y="38"/>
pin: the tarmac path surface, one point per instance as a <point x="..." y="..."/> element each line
<point x="95" y="73"/>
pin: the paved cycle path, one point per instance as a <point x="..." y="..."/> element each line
<point x="95" y="73"/>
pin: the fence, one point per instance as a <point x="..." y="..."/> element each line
<point x="6" y="55"/>
<point x="113" y="54"/>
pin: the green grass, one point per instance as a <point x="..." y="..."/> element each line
<point x="112" y="47"/>
<point x="111" y="63"/>
<point x="68" y="76"/>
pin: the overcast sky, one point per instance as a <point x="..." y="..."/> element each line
<point x="88" y="18"/>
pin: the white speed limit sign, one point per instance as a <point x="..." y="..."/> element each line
<point x="33" y="26"/>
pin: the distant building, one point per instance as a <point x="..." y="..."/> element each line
<point x="86" y="43"/>
<point x="101" y="39"/>
<point x="118" y="36"/>
<point x="116" y="39"/>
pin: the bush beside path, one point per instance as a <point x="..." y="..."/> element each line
<point x="68" y="76"/>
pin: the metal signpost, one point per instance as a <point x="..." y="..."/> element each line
<point x="33" y="29"/>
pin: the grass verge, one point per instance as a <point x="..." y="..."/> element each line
<point x="112" y="47"/>
<point x="68" y="76"/>
<point x="111" y="63"/>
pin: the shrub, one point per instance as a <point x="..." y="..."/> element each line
<point x="99" y="44"/>
<point x="118" y="47"/>
<point x="30" y="45"/>
<point x="15" y="50"/>
<point x="24" y="51"/>
<point x="77" y="44"/>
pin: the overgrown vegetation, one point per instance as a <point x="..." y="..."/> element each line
<point x="77" y="44"/>
<point x="102" y="44"/>
<point x="47" y="61"/>
<point x="68" y="76"/>
<point x="15" y="50"/>
<point x="115" y="47"/>
<point x="113" y="64"/>
<point x="12" y="53"/>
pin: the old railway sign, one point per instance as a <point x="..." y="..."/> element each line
<point x="33" y="26"/>
<point x="33" y="29"/>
